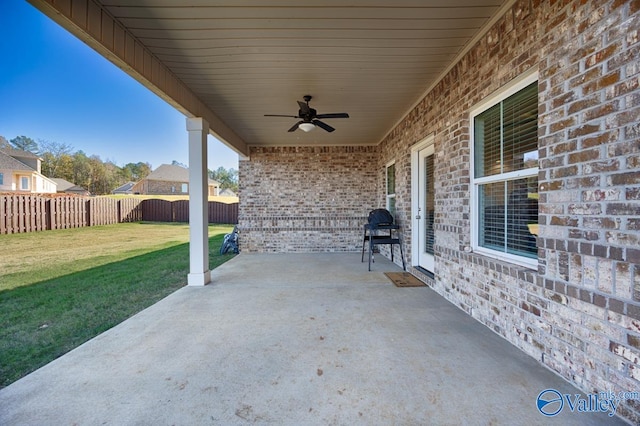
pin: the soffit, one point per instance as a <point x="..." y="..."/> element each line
<point x="245" y="58"/>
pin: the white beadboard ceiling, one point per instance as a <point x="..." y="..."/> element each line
<point x="373" y="59"/>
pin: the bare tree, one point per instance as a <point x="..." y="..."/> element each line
<point x="53" y="154"/>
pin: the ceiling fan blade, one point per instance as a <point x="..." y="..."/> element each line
<point x="334" y="115"/>
<point x="304" y="108"/>
<point x="324" y="126"/>
<point x="295" y="126"/>
<point x="280" y="115"/>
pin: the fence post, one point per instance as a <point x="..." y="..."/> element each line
<point x="89" y="213"/>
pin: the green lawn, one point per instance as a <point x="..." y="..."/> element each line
<point x="60" y="288"/>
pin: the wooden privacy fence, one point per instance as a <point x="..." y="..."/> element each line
<point x="178" y="211"/>
<point x="30" y="213"/>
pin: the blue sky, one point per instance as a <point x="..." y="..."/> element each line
<point x="53" y="87"/>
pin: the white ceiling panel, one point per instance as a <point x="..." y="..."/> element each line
<point x="246" y="58"/>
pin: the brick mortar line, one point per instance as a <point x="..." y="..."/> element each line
<point x="593" y="296"/>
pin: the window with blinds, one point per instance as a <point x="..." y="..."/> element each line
<point x="506" y="135"/>
<point x="505" y="175"/>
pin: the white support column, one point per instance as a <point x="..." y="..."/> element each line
<point x="199" y="273"/>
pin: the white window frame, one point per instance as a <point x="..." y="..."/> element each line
<point x="513" y="87"/>
<point x="24" y="179"/>
<point x="185" y="188"/>
<point x="388" y="196"/>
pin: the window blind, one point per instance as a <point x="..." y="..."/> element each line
<point x="429" y="204"/>
<point x="506" y="135"/>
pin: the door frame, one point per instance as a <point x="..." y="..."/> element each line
<point x="415" y="196"/>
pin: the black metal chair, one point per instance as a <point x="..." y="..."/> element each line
<point x="380" y="230"/>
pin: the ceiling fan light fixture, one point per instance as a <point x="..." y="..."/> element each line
<point x="306" y="127"/>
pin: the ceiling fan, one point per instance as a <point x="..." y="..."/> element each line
<point x="310" y="117"/>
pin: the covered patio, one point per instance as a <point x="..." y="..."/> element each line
<point x="503" y="135"/>
<point x="293" y="339"/>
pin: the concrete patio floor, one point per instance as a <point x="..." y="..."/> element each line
<point x="299" y="339"/>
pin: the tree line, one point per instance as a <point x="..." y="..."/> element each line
<point x="92" y="173"/>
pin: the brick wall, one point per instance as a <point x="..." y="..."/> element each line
<point x="164" y="187"/>
<point x="579" y="313"/>
<point x="306" y="199"/>
<point x="589" y="186"/>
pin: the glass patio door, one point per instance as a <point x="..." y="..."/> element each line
<point x="426" y="208"/>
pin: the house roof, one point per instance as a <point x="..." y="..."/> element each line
<point x="232" y="63"/>
<point x="18" y="152"/>
<point x="173" y="173"/>
<point x="8" y="161"/>
<point x="169" y="172"/>
<point x="66" y="186"/>
<point x="127" y="187"/>
<point x="63" y="185"/>
<point x="227" y="193"/>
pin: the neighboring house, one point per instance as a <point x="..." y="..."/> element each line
<point x="66" y="187"/>
<point x="125" y="189"/>
<point x="20" y="171"/>
<point x="169" y="180"/>
<point x="227" y="193"/>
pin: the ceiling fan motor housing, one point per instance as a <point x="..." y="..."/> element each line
<point x="307" y="117"/>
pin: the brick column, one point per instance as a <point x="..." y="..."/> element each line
<point x="199" y="273"/>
